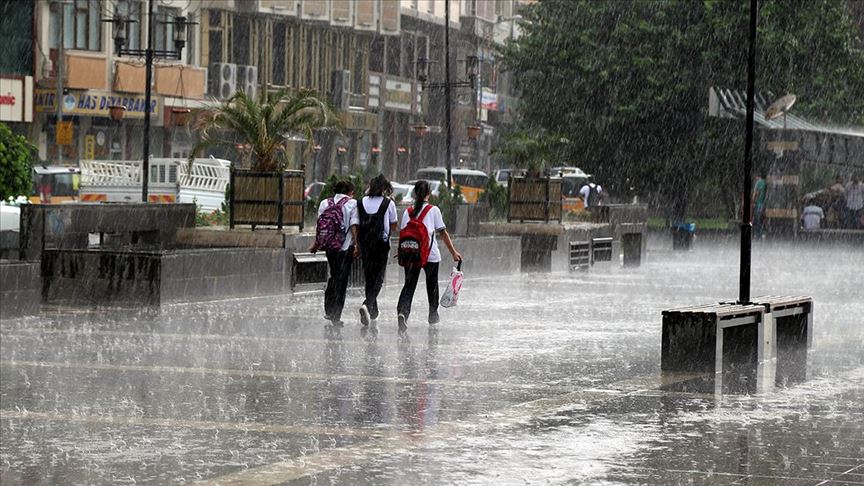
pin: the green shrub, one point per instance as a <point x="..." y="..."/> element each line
<point x="16" y="164"/>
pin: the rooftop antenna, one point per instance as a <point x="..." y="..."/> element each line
<point x="781" y="106"/>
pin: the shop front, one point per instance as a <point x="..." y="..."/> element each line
<point x="88" y="130"/>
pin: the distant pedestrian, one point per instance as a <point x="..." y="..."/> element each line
<point x="811" y="217"/>
<point x="591" y="193"/>
<point x="431" y="219"/>
<point x="377" y="216"/>
<point x="854" y="202"/>
<point x="760" y="189"/>
<point x="336" y="234"/>
<point x="837" y="204"/>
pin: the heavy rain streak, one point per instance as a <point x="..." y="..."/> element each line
<point x="390" y="242"/>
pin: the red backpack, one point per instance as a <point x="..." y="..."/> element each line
<point x="414" y="244"/>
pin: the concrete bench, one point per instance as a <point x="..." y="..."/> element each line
<point x="787" y="335"/>
<point x="718" y="340"/>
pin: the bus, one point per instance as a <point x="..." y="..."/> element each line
<point x="53" y="184"/>
<point x="471" y="183"/>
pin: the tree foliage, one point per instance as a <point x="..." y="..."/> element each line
<point x="16" y="164"/>
<point x="535" y="150"/>
<point x="627" y="82"/>
<point x="264" y="126"/>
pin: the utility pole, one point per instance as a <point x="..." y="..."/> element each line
<point x="447" y="100"/>
<point x="58" y="81"/>
<point x="747" y="223"/>
<point x="148" y="93"/>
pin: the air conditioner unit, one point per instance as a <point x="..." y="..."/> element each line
<point x="247" y="80"/>
<point x="222" y="80"/>
<point x="340" y="88"/>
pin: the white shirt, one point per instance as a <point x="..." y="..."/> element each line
<point x="371" y="205"/>
<point x="434" y="222"/>
<point x="812" y="217"/>
<point x="349" y="216"/>
<point x="855" y="195"/>
<point x="586" y="191"/>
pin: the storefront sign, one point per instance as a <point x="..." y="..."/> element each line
<point x="90" y="147"/>
<point x="360" y="120"/>
<point x="16" y="97"/>
<point x="94" y="103"/>
<point x="64" y="133"/>
<point x="489" y="100"/>
<point x="398" y="95"/>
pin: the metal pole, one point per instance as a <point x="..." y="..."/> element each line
<point x="59" y="80"/>
<point x="145" y="165"/>
<point x="447" y="90"/>
<point x="747" y="224"/>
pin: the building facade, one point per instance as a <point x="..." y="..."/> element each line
<point x="361" y="54"/>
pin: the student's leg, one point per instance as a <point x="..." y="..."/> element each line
<point x="432" y="290"/>
<point x="407" y="294"/>
<point x="341" y="284"/>
<point x="334" y="263"/>
<point x="374" y="266"/>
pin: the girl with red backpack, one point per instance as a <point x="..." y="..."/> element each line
<point x="418" y="248"/>
<point x="336" y="234"/>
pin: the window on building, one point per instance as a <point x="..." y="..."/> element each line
<point x="410" y="57"/>
<point x="132" y="10"/>
<point x="278" y="75"/>
<point x="394" y="53"/>
<point x="164" y="28"/>
<point x="82" y="27"/>
<point x="215" y="37"/>
<point x="376" y="55"/>
<point x="242" y="46"/>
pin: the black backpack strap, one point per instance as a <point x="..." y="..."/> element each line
<point x="362" y="209"/>
<point x="385" y="203"/>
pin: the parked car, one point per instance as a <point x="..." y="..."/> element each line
<point x="313" y="190"/>
<point x="471" y="182"/>
<point x="502" y="176"/>
<point x="403" y="193"/>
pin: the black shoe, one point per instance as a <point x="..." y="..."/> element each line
<point x="364" y="315"/>
<point x="403" y="322"/>
<point x="434" y="318"/>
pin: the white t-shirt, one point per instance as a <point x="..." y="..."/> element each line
<point x="434" y="222"/>
<point x="371" y="205"/>
<point x="349" y="216"/>
<point x="586" y="191"/>
<point x="812" y="217"/>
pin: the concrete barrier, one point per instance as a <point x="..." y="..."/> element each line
<point x="20" y="288"/>
<point x="70" y="226"/>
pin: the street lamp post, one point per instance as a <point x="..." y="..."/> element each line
<point x="471" y="63"/>
<point x="119" y="24"/>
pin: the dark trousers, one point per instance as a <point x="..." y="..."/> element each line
<point x="374" y="266"/>
<point x="337" y="284"/>
<point x="407" y="295"/>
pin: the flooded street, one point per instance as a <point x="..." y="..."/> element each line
<point x="532" y="379"/>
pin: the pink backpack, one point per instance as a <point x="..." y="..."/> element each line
<point x="330" y="230"/>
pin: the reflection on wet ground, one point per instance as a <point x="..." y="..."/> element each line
<point x="532" y="379"/>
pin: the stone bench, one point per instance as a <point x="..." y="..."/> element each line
<point x="718" y="340"/>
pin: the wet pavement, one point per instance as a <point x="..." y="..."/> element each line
<point x="532" y="379"/>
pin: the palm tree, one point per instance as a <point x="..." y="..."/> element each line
<point x="264" y="126"/>
<point x="531" y="150"/>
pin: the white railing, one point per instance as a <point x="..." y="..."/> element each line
<point x="110" y="173"/>
<point x="205" y="175"/>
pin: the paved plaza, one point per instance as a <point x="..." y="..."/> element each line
<point x="532" y="379"/>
